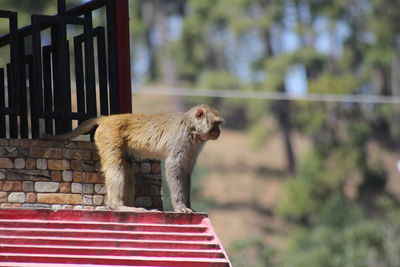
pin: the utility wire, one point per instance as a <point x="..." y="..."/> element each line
<point x="372" y="99"/>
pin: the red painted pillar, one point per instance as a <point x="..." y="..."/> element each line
<point x="123" y="56"/>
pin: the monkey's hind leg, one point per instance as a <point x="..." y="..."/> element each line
<point x="120" y="184"/>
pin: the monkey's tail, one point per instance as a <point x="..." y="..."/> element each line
<point x="83" y="128"/>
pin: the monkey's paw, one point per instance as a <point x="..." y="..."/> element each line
<point x="184" y="210"/>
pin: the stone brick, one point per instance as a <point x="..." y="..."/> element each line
<point x="155" y="167"/>
<point x="100" y="189"/>
<point x="3" y="196"/>
<point x="86" y="144"/>
<point x="59" y="198"/>
<point x="30" y="164"/>
<point x="11" y="151"/>
<point x="76" y="165"/>
<point x="36" y="175"/>
<point x="71" y="145"/>
<point x="36" y="206"/>
<point x="48" y="153"/>
<point x="6" y="163"/>
<point x="56" y="176"/>
<point x="142" y="190"/>
<point x="79" y="207"/>
<point x="65" y="187"/>
<point x="28" y="186"/>
<point x="144" y="202"/>
<point x="19" y="163"/>
<point x="16" y="205"/>
<point x="31" y="197"/>
<point x="14" y="142"/>
<point x="23" y="151"/>
<point x="88" y="188"/>
<point x="12" y="186"/>
<point x="4" y="142"/>
<point x="88" y="166"/>
<point x="67" y="207"/>
<point x="2" y="174"/>
<point x="92" y="177"/>
<point x="154" y="190"/>
<point x="67" y="176"/>
<point x="16" y="197"/>
<point x="98" y="200"/>
<point x="55" y="164"/>
<point x="41" y="143"/>
<point x="136" y="167"/>
<point x="88" y="200"/>
<point x="48" y="187"/>
<point x="77" y="177"/>
<point x="6" y="205"/>
<point x="76" y="188"/>
<point x="56" y="207"/>
<point x="41" y="164"/>
<point x="88" y="208"/>
<point x="79" y="154"/>
<point x="157" y="203"/>
<point x="145" y="167"/>
<point x="101" y="208"/>
<point x="97" y="166"/>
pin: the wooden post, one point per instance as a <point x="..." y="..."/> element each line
<point x="123" y="58"/>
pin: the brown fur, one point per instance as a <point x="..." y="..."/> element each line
<point x="176" y="137"/>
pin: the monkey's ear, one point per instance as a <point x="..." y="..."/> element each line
<point x="199" y="113"/>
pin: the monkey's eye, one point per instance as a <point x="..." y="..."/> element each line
<point x="216" y="124"/>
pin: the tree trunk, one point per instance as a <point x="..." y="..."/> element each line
<point x="282" y="111"/>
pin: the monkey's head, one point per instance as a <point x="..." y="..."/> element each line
<point x="206" y="121"/>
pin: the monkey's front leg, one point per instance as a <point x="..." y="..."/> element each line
<point x="178" y="178"/>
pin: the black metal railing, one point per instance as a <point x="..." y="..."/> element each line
<point x="35" y="86"/>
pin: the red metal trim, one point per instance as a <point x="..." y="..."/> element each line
<point x="123" y="56"/>
<point x="51" y="238"/>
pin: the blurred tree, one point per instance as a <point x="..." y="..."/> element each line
<point x="344" y="47"/>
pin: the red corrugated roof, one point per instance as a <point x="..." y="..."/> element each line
<point x="103" y="238"/>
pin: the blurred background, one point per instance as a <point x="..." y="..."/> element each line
<point x="307" y="169"/>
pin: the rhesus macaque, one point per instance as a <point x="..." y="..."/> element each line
<point x="176" y="137"/>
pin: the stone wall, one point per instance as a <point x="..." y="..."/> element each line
<point x="65" y="174"/>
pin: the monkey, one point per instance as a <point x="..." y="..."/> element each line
<point x="176" y="137"/>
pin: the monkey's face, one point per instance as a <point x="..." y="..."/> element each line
<point x="207" y="122"/>
<point x="214" y="132"/>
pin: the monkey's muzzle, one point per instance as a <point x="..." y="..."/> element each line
<point x="214" y="133"/>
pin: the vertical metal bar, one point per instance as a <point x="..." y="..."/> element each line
<point x="12" y="118"/>
<point x="29" y="62"/>
<point x="15" y="60"/>
<point x="89" y="67"/>
<point x="79" y="78"/>
<point x="36" y="74"/>
<point x="13" y="75"/>
<point x="2" y="105"/>
<point x="23" y="119"/>
<point x="61" y="7"/>
<point x="102" y="70"/>
<point x="112" y="57"/>
<point x="56" y="79"/>
<point x="61" y="76"/>
<point x="123" y="56"/>
<point x="47" y="87"/>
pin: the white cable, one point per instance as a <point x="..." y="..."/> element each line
<point x="269" y="95"/>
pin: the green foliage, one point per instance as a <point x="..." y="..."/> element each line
<point x="334" y="84"/>
<point x="310" y="117"/>
<point x="359" y="242"/>
<point x="251" y="252"/>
